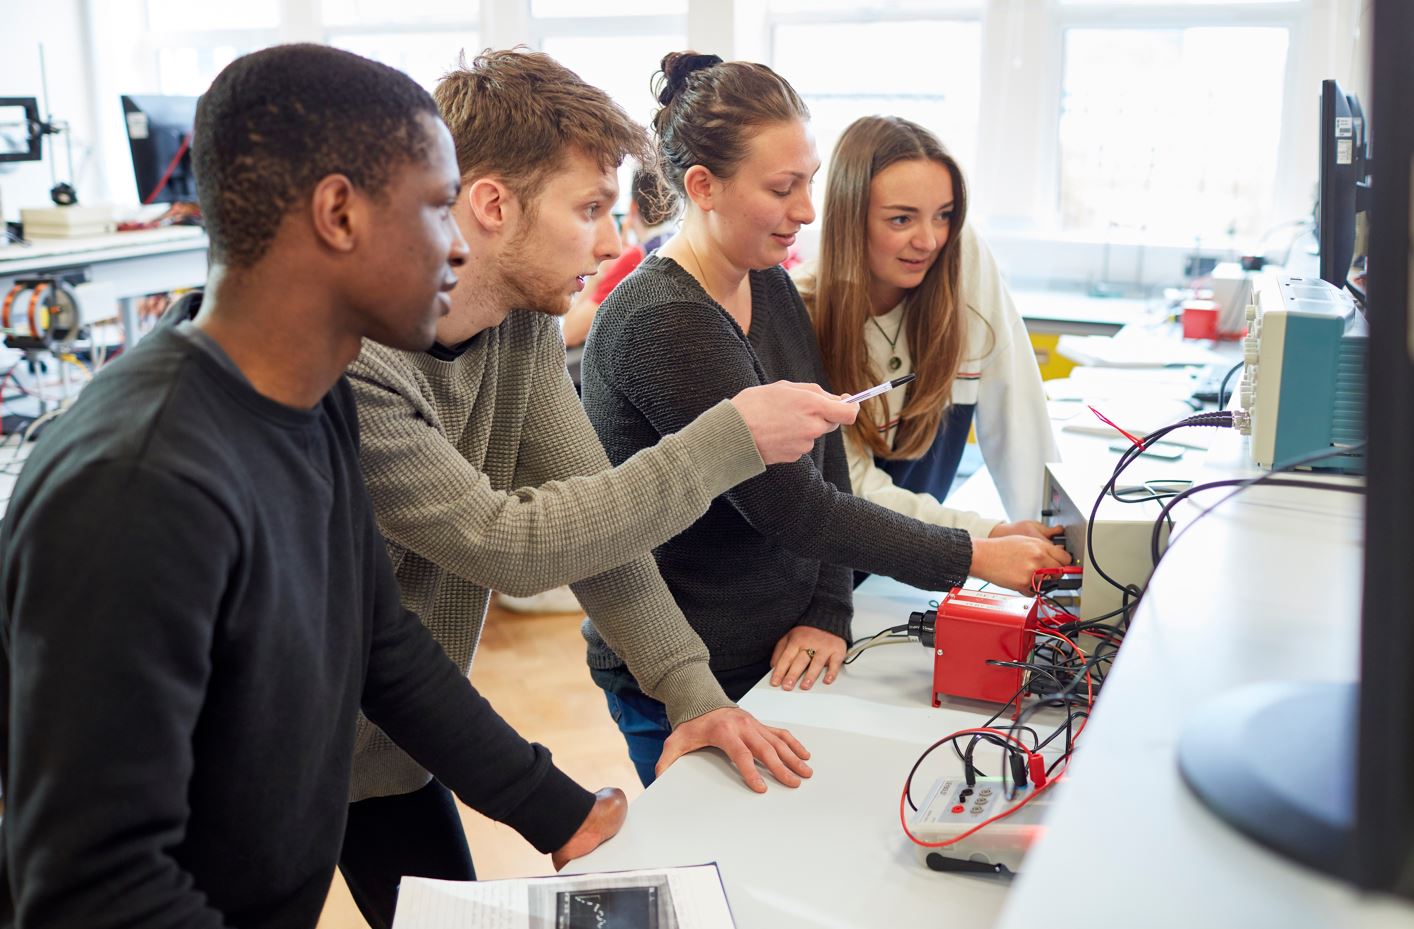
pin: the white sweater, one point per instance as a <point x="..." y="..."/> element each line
<point x="999" y="375"/>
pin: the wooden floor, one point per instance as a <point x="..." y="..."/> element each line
<point x="532" y="670"/>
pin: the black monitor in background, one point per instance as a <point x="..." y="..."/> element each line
<point x="159" y="134"/>
<point x="1323" y="773"/>
<point x="1344" y="187"/>
<point x="20" y="137"/>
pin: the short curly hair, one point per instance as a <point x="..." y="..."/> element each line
<point x="518" y="114"/>
<point x="277" y="121"/>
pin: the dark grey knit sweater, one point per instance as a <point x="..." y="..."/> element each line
<point x="776" y="551"/>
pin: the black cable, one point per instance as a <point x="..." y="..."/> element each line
<point x="1242" y="484"/>
<point x="996" y="716"/>
<point x="1093" y="621"/>
<point x="1218" y="419"/>
<point x="1070" y="742"/>
<point x="1081" y="625"/>
<point x="1063" y="727"/>
<point x="1028" y="666"/>
<point x="1222" y="388"/>
<point x="1057" y="699"/>
<point x="952" y="739"/>
<point x="991" y="723"/>
<point x="1018" y="728"/>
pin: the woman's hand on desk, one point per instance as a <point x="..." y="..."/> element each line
<point x="745" y="740"/>
<point x="802" y="654"/>
<point x="605" y="819"/>
<point x="1012" y="560"/>
<point x="1027" y="528"/>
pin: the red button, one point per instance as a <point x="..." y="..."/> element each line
<point x="959" y="808"/>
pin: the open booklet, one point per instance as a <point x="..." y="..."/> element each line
<point x="666" y="898"/>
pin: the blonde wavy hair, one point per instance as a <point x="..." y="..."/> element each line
<point x="836" y="290"/>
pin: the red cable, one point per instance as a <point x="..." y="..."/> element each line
<point x="1109" y="422"/>
<point x="1089" y="699"/>
<point x="171" y="166"/>
<point x="903" y="818"/>
<point x="975" y="731"/>
<point x="1089" y="685"/>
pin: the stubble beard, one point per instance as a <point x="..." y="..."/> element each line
<point x="526" y="286"/>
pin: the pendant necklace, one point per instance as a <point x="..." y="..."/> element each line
<point x="895" y="362"/>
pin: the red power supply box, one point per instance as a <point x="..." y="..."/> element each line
<point x="972" y="628"/>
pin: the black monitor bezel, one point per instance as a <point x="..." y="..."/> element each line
<point x="35" y="151"/>
<point x="1383" y="849"/>
<point x="1338" y="201"/>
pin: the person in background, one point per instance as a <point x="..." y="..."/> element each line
<point x="194" y="598"/>
<point x="765" y="576"/>
<point x="650" y="217"/>
<point x="486" y="475"/>
<point x="904" y="286"/>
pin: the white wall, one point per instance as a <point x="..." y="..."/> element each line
<point x="62" y="27"/>
<point x="121" y="63"/>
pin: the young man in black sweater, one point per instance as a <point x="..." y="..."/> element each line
<point x="194" y="599"/>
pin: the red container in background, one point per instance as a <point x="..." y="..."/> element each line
<point x="1200" y="319"/>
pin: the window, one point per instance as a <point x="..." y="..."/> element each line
<point x="422" y="38"/>
<point x="193" y="42"/>
<point x="401" y="12"/>
<point x="1160" y="121"/>
<point x="187" y="72"/>
<point x="1171" y="130"/>
<point x="616" y="45"/>
<point x="183" y="16"/>
<point x="1151" y="3"/>
<point x="928" y="71"/>
<point x="622" y="65"/>
<point x="424" y="56"/>
<point x="550" y="9"/>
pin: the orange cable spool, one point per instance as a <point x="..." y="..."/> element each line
<point x="34" y="308"/>
<point x="15" y="291"/>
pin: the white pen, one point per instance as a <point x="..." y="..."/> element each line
<point x="880" y="389"/>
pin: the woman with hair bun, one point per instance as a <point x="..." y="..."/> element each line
<point x="903" y="286"/>
<point x="765" y="576"/>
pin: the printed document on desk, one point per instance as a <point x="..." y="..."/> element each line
<point x="664" y="898"/>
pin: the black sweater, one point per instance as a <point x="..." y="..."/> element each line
<point x="776" y="551"/>
<point x="194" y="600"/>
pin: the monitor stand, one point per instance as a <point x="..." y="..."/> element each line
<point x="1276" y="761"/>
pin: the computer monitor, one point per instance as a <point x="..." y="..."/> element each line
<point x="1383" y="854"/>
<point x="1344" y="187"/>
<point x="159" y="134"/>
<point x="19" y="129"/>
<point x="1324" y="773"/>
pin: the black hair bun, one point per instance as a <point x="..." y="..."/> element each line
<point x="676" y="68"/>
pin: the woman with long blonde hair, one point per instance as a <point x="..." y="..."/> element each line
<point x="903" y="286"/>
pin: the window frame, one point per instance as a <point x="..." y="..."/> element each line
<point x="1016" y="180"/>
<point x="1287" y="14"/>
